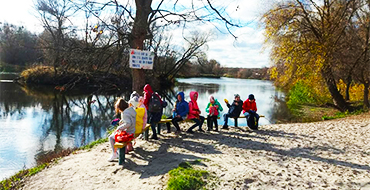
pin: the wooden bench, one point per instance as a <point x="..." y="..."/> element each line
<point x="122" y="146"/>
<point x="241" y="116"/>
<point x="189" y="120"/>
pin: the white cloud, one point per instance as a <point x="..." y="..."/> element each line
<point x="21" y="13"/>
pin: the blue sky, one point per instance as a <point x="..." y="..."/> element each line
<point x="246" y="51"/>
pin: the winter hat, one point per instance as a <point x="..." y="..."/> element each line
<point x="251" y="97"/>
<point x="236" y="95"/>
<point x="134" y="101"/>
<point x="134" y="93"/>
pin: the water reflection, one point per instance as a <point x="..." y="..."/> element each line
<point x="35" y="122"/>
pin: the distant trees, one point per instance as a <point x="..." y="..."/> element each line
<point x="17" y="45"/>
<point x="319" y="43"/>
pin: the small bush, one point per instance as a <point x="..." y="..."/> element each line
<point x="185" y="177"/>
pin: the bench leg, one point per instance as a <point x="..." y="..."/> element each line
<point x="236" y="122"/>
<point x="122" y="152"/>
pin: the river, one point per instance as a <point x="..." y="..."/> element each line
<point x="35" y="122"/>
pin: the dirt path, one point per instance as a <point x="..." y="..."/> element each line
<point x="322" y="155"/>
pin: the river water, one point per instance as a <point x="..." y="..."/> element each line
<point x="35" y="122"/>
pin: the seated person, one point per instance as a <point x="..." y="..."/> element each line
<point x="194" y="113"/>
<point x="179" y="112"/>
<point x="234" y="109"/>
<point x="213" y="109"/>
<point x="127" y="122"/>
<point x="249" y="110"/>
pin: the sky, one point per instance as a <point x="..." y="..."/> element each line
<point x="247" y="51"/>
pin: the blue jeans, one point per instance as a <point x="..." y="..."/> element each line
<point x="226" y="118"/>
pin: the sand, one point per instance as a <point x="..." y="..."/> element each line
<point x="331" y="154"/>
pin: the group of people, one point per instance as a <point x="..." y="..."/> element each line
<point x="139" y="111"/>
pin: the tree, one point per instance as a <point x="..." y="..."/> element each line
<point x="304" y="36"/>
<point x="17" y="45"/>
<point x="166" y="12"/>
<point x="54" y="15"/>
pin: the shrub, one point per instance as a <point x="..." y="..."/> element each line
<point x="185" y="177"/>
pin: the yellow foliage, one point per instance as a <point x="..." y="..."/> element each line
<point x="356" y="91"/>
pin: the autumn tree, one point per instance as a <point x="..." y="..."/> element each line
<point x="304" y="35"/>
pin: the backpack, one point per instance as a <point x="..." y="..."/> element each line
<point x="252" y="122"/>
<point x="155" y="103"/>
<point x="140" y="112"/>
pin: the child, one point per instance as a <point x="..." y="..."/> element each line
<point x="141" y="118"/>
<point x="213" y="108"/>
<point x="249" y="110"/>
<point x="180" y="112"/>
<point x="127" y="122"/>
<point x="194" y="113"/>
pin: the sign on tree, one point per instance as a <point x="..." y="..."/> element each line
<point x="141" y="59"/>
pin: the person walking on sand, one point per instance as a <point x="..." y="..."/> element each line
<point x="179" y="112"/>
<point x="154" y="111"/>
<point x="250" y="112"/>
<point x="194" y="113"/>
<point x="213" y="109"/>
<point x="127" y="122"/>
<point x="234" y="110"/>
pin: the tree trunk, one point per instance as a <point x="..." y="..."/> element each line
<point x="366" y="95"/>
<point x="349" y="81"/>
<point x="332" y="86"/>
<point x="137" y="37"/>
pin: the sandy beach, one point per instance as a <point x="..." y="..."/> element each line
<point x="331" y="154"/>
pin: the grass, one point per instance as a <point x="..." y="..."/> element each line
<point x="343" y="114"/>
<point x="185" y="177"/>
<point x="91" y="145"/>
<point x="15" y="181"/>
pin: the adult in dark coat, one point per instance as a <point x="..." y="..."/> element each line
<point x="234" y="110"/>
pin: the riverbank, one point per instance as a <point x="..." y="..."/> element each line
<point x="328" y="154"/>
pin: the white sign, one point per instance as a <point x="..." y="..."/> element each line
<point x="141" y="59"/>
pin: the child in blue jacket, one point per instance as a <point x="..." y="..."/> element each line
<point x="180" y="112"/>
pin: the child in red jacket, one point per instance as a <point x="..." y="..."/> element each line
<point x="250" y="112"/>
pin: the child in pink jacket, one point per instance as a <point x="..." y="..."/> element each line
<point x="194" y="113"/>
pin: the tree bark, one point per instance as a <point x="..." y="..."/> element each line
<point x="138" y="35"/>
<point x="366" y="95"/>
<point x="349" y="81"/>
<point x="332" y="86"/>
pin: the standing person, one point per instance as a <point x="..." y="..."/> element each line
<point x="234" y="109"/>
<point x="179" y="112"/>
<point x="127" y="122"/>
<point x="194" y="113"/>
<point x="213" y="109"/>
<point x="153" y="104"/>
<point x="250" y="112"/>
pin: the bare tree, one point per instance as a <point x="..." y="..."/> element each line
<point x="166" y="12"/>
